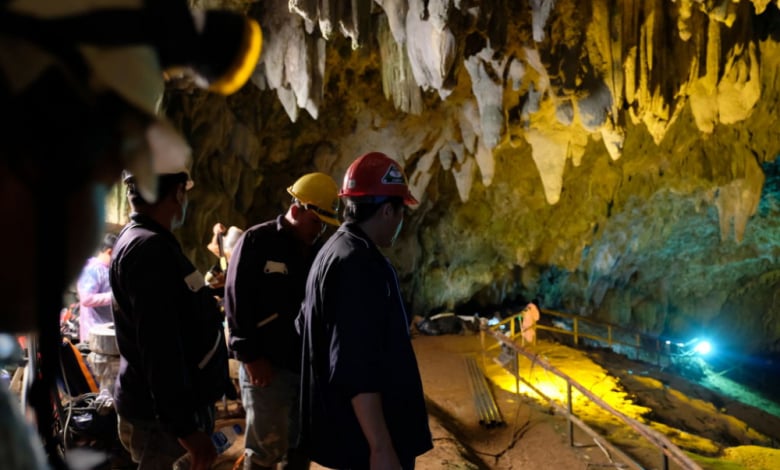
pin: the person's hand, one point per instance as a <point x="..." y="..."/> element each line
<point x="213" y="245"/>
<point x="201" y="449"/>
<point x="260" y="371"/>
<point x="215" y="279"/>
<point x="384" y="458"/>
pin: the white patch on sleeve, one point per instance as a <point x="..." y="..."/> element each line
<point x="195" y="281"/>
<point x="275" y="267"/>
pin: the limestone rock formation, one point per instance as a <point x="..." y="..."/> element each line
<point x="612" y="158"/>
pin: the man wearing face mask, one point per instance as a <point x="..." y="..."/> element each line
<point x="173" y="365"/>
<point x="362" y="403"/>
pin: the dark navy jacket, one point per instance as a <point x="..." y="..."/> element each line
<point x="169" y="330"/>
<point x="356" y="340"/>
<point x="264" y="287"/>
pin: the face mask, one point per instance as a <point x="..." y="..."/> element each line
<point x="179" y="221"/>
<point x="397" y="231"/>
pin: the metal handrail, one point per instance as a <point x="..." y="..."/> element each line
<point x="577" y="334"/>
<point x="667" y="448"/>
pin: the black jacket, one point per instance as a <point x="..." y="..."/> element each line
<point x="169" y="330"/>
<point x="264" y="288"/>
<point x="356" y="340"/>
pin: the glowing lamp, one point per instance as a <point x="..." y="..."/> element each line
<point x="703" y="347"/>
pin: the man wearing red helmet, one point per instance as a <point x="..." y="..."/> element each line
<point x="362" y="403"/>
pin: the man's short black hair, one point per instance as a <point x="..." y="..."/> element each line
<point x="166" y="184"/>
<point x="108" y="242"/>
<point x="360" y="209"/>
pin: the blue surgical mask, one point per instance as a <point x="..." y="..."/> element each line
<point x="397" y="231"/>
<point x="179" y="221"/>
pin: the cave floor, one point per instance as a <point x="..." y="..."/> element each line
<point x="716" y="431"/>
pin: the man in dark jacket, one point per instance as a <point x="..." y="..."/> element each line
<point x="362" y="401"/>
<point x="173" y="365"/>
<point x="264" y="288"/>
<point x="78" y="102"/>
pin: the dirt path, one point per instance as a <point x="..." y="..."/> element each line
<point x="531" y="437"/>
<point x="716" y="431"/>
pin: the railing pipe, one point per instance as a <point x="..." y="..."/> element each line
<point x="666" y="446"/>
<point x="570" y="405"/>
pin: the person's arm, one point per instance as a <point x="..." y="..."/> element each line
<point x="160" y="304"/>
<point x="246" y="299"/>
<point x="244" y="304"/>
<point x="359" y="353"/>
<point x="98" y="299"/>
<point x="87" y="287"/>
<point x="213" y="245"/>
<point x="201" y="448"/>
<point x="368" y="410"/>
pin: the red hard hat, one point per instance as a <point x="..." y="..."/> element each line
<point x="376" y="174"/>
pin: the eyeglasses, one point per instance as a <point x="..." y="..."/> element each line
<point x="318" y="210"/>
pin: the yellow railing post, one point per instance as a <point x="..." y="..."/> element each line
<point x="576" y="332"/>
<point x="512" y="327"/>
<point x="482" y="326"/>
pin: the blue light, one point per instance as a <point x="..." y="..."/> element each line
<point x="703" y="348"/>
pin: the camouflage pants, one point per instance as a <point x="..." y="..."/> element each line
<point x="151" y="447"/>
<point x="271" y="421"/>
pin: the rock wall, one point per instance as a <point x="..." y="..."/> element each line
<point x="609" y="158"/>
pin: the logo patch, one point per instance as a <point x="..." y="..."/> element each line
<point x="195" y="281"/>
<point x="393" y="175"/>
<point x="275" y="267"/>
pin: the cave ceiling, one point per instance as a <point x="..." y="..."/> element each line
<point x="610" y="158"/>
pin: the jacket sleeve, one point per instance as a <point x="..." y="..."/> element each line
<point x="245" y="292"/>
<point x="161" y="296"/>
<point x="87" y="287"/>
<point x="359" y="300"/>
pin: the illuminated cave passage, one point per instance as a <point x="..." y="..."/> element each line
<point x="617" y="163"/>
<point x="610" y="159"/>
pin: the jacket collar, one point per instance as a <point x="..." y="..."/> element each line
<point x="353" y="230"/>
<point x="150" y="224"/>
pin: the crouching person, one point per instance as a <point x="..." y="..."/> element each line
<point x="173" y="351"/>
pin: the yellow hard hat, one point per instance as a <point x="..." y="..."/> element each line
<point x="318" y="192"/>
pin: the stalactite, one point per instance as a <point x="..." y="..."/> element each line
<point x="398" y="82"/>
<point x="738" y="200"/>
<point x="540" y="11"/>
<point x="431" y="45"/>
<point x="617" y="60"/>
<point x="487" y="84"/>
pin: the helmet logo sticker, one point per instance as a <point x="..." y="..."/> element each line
<point x="393" y="176"/>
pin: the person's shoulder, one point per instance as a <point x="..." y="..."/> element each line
<point x="261" y="228"/>
<point x="263" y="233"/>
<point x="350" y="252"/>
<point x="143" y="243"/>
<point x="92" y="265"/>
